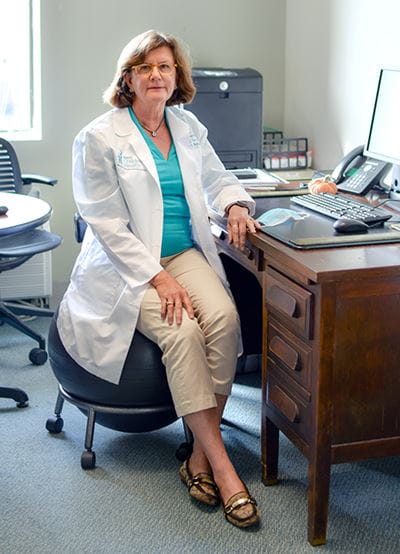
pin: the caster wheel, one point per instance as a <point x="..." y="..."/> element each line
<point x="183" y="451"/>
<point x="88" y="459"/>
<point x="54" y="424"/>
<point x="22" y="404"/>
<point x="38" y="356"/>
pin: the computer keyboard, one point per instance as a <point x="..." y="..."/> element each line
<point x="337" y="206"/>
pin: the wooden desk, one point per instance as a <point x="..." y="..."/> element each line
<point x="331" y="351"/>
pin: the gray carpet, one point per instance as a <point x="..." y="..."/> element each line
<point x="134" y="502"/>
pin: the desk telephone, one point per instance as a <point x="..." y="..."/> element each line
<point x="357" y="174"/>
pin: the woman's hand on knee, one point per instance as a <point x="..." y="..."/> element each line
<point x="174" y="298"/>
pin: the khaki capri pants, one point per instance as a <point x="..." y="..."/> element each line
<point x="200" y="355"/>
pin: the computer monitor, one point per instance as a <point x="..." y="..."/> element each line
<point x="384" y="133"/>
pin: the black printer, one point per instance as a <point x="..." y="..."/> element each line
<point x="229" y="103"/>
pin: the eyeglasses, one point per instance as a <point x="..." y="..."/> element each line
<point x="147" y="68"/>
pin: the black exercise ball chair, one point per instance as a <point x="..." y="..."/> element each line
<point x="140" y="402"/>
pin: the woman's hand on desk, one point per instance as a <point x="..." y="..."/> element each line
<point x="174" y="298"/>
<point x="239" y="224"/>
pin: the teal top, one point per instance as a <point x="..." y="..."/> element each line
<point x="177" y="231"/>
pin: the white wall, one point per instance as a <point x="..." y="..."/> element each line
<point x="334" y="49"/>
<point x="81" y="40"/>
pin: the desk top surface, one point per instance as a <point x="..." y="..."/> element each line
<point x="24" y="212"/>
<point x="324" y="264"/>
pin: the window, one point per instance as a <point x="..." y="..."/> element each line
<point x="20" y="107"/>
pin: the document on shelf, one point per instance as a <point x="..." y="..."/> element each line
<point x="264" y="180"/>
<point x="271" y="184"/>
<point x="262" y="193"/>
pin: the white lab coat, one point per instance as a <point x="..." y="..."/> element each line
<point x="117" y="192"/>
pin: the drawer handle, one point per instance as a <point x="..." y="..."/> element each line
<point x="285" y="404"/>
<point x="221" y="234"/>
<point x="217" y="232"/>
<point x="248" y="253"/>
<point x="286" y="353"/>
<point x="282" y="300"/>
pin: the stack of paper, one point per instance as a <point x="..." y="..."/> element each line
<point x="271" y="184"/>
<point x="263" y="181"/>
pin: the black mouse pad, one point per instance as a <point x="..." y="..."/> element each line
<point x="316" y="231"/>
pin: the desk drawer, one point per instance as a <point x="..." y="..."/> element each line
<point x="288" y="402"/>
<point x="291" y="354"/>
<point x="291" y="303"/>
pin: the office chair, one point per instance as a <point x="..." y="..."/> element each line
<point x="11" y="179"/>
<point x="141" y="402"/>
<point x="17" y="249"/>
<point x="14" y="251"/>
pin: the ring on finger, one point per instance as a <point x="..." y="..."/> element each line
<point x="170" y="303"/>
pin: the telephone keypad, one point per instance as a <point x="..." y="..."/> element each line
<point x="368" y="174"/>
<point x="355" y="182"/>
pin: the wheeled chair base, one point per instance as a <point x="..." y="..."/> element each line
<point x="8" y="314"/>
<point x="20" y="396"/>
<point x="88" y="458"/>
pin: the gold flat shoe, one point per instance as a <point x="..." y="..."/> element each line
<point x="237" y="513"/>
<point x="201" y="486"/>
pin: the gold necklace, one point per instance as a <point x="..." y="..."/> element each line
<point x="153" y="133"/>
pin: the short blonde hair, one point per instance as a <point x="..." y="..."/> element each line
<point x="134" y="53"/>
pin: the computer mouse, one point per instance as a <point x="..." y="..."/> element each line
<point x="3" y="210"/>
<point x="351" y="226"/>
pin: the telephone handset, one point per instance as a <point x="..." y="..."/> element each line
<point x="357" y="174"/>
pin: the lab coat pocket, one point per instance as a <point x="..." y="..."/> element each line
<point x="99" y="284"/>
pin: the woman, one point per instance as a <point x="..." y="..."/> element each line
<point x="142" y="174"/>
